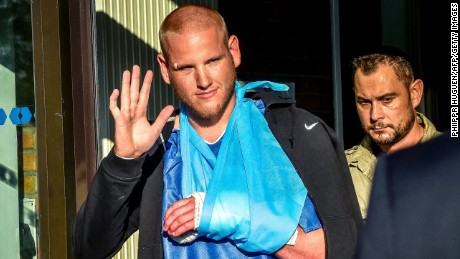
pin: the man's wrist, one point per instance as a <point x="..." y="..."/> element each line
<point x="191" y="235"/>
<point x="293" y="238"/>
<point x="125" y="158"/>
<point x="199" y="200"/>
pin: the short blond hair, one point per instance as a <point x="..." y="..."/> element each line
<point x="189" y="18"/>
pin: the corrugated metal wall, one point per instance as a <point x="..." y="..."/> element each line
<point x="126" y="33"/>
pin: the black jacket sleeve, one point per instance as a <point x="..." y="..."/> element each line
<point x="112" y="210"/>
<point x="110" y="213"/>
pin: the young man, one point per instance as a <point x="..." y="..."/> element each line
<point x="226" y="184"/>
<point x="386" y="95"/>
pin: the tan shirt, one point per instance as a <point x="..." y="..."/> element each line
<point x="362" y="160"/>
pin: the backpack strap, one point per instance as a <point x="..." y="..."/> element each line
<point x="167" y="129"/>
<point x="166" y="132"/>
<point x="150" y="224"/>
<point x="270" y="97"/>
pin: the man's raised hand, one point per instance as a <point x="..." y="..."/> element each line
<point x="134" y="135"/>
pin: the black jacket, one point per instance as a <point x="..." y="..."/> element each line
<point x="125" y="195"/>
<point x="414" y="206"/>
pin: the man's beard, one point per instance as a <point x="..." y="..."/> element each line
<point x="400" y="131"/>
<point x="209" y="112"/>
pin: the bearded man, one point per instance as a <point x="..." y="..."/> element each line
<point x="386" y="96"/>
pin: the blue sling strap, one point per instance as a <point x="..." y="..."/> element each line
<point x="254" y="196"/>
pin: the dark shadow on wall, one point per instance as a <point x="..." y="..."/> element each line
<point x="118" y="50"/>
<point x="8" y="177"/>
<point x="359" y="32"/>
<point x="435" y="51"/>
<point x="16" y="48"/>
<point x="286" y="41"/>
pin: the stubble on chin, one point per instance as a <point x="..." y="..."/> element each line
<point x="383" y="138"/>
<point x="207" y="111"/>
<point x="398" y="132"/>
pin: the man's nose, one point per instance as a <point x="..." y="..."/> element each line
<point x="203" y="79"/>
<point x="376" y="112"/>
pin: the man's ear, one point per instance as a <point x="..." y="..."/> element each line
<point x="163" y="68"/>
<point x="234" y="47"/>
<point x="416" y="92"/>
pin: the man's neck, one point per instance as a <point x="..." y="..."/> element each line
<point x="210" y="129"/>
<point x="412" y="138"/>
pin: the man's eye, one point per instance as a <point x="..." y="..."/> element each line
<point x="185" y="69"/>
<point x="387" y="100"/>
<point x="362" y="102"/>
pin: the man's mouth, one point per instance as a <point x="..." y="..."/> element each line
<point x="378" y="130"/>
<point x="378" y="127"/>
<point x="206" y="94"/>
